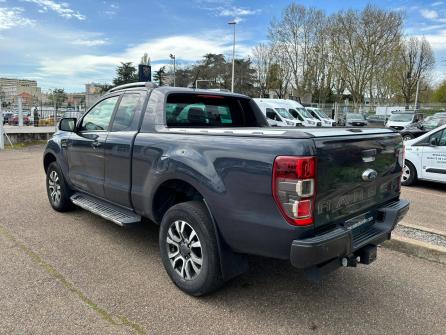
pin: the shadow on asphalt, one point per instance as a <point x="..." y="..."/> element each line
<point x="265" y="278"/>
<point x="428" y="184"/>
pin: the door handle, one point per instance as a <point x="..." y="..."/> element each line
<point x="96" y="144"/>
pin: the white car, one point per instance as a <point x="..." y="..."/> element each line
<point x="297" y="111"/>
<point x="401" y="120"/>
<point x="320" y="115"/>
<point x="279" y="115"/>
<point x="426" y="157"/>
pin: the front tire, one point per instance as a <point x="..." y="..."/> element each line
<point x="409" y="175"/>
<point x="57" y="189"/>
<point x="189" y="250"/>
<point x="407" y="137"/>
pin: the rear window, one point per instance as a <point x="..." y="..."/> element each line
<point x="205" y="110"/>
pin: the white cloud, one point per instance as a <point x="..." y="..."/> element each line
<point x="438" y="3"/>
<point x="61" y="8"/>
<point x="111" y="10"/>
<point x="79" y="69"/>
<point x="437" y="40"/>
<point x="235" y="11"/>
<point x="429" y="14"/>
<point x="12" y="17"/>
<point x="90" y="42"/>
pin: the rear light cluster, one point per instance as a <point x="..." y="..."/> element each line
<point x="294" y="183"/>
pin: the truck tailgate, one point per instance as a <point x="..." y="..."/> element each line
<point x="355" y="174"/>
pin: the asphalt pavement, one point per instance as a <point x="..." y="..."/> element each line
<point x="75" y="273"/>
<point x="427" y="205"/>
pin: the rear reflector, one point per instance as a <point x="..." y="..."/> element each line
<point x="294" y="188"/>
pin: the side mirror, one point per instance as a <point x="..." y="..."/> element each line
<point x="433" y="141"/>
<point x="68" y="124"/>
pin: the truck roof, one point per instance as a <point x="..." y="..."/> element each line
<point x="169" y="89"/>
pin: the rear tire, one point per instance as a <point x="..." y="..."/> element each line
<point x="409" y="175"/>
<point x="189" y="249"/>
<point x="57" y="189"/>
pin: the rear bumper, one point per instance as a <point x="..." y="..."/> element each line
<point x="342" y="242"/>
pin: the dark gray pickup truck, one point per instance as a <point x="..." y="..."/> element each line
<point x="222" y="184"/>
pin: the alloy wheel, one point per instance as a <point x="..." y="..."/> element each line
<point x="54" y="187"/>
<point x="406" y="173"/>
<point x="184" y="250"/>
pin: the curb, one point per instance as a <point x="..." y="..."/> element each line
<point x="417" y="248"/>
<point x="429" y="230"/>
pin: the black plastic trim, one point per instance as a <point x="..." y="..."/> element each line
<point x="342" y="242"/>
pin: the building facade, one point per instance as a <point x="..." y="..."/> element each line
<point x="10" y="88"/>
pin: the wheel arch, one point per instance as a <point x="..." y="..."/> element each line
<point x="48" y="158"/>
<point x="232" y="264"/>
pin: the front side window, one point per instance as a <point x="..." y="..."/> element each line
<point x="129" y="105"/>
<point x="439" y="137"/>
<point x="98" y="118"/>
<point x="270" y="114"/>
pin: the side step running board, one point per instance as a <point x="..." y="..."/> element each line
<point x="118" y="215"/>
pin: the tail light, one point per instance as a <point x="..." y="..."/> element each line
<point x="294" y="188"/>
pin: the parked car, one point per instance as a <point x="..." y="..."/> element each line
<point x="425" y="157"/>
<point x="221" y="184"/>
<point x="377" y="120"/>
<point x="400" y="120"/>
<point x="440" y="114"/>
<point x="277" y="113"/>
<point x="14" y="120"/>
<point x="319" y="114"/>
<point x="299" y="112"/>
<point x="7" y="116"/>
<point x="414" y="130"/>
<point x="294" y="108"/>
<point x="355" y="119"/>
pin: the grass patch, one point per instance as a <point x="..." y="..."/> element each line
<point x="21" y="145"/>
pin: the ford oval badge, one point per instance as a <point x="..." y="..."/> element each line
<point x="369" y="175"/>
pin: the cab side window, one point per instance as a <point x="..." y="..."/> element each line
<point x="129" y="105"/>
<point x="439" y="138"/>
<point x="296" y="115"/>
<point x="98" y="118"/>
<point x="270" y="114"/>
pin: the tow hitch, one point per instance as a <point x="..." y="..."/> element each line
<point x="365" y="255"/>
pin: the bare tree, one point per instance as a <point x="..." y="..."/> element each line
<point x="279" y="74"/>
<point x="360" y="42"/>
<point x="296" y="33"/>
<point x="262" y="57"/>
<point x="416" y="59"/>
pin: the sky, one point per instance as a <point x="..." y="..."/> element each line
<point x="65" y="44"/>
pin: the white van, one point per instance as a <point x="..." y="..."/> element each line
<point x="401" y="120"/>
<point x="297" y="111"/>
<point x="276" y="113"/>
<point x="321" y="116"/>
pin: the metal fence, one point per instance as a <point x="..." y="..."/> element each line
<point x="338" y="111"/>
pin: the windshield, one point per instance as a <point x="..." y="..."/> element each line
<point x="320" y="113"/>
<point x="284" y="113"/>
<point x="352" y="116"/>
<point x="305" y="113"/>
<point x="401" y="117"/>
<point x="432" y="123"/>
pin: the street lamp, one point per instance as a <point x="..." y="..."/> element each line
<point x="233" y="56"/>
<point x="172" y="56"/>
